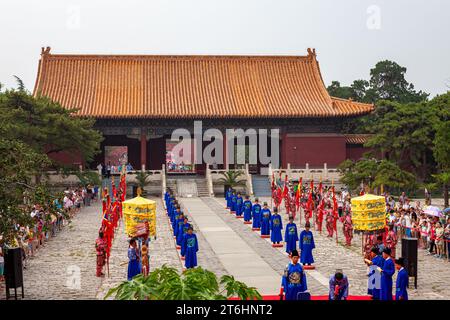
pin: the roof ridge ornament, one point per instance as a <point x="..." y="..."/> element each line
<point x="45" y="51"/>
<point x="311" y="53"/>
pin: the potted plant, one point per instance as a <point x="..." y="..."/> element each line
<point x="142" y="179"/>
<point x="231" y="179"/>
<point x="166" y="283"/>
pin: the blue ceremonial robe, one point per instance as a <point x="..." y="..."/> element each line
<point x="386" y="279"/>
<point x="256" y="215"/>
<point x="176" y="217"/>
<point x="179" y="223"/>
<point x="166" y="197"/>
<point x="291" y="237"/>
<point x="239" y="205"/>
<point x="343" y="288"/>
<point x="228" y="196"/>
<point x="306" y="244"/>
<point x="189" y="250"/>
<point x="401" y="285"/>
<point x="134" y="267"/>
<point x="276" y="225"/>
<point x="374" y="285"/>
<point x="182" y="230"/>
<point x="293" y="281"/>
<point x="265" y="221"/>
<point x="233" y="202"/>
<point x="247" y="210"/>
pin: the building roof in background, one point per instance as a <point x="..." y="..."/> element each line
<point x="150" y="86"/>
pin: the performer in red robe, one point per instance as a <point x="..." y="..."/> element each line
<point x="100" y="247"/>
<point x="329" y="218"/>
<point x="391" y="240"/>
<point x="347" y="227"/>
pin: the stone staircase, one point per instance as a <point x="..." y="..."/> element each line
<point x="172" y="184"/>
<point x="202" y="188"/>
<point x="261" y="186"/>
<point x="188" y="186"/>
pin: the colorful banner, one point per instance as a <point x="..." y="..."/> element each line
<point x="137" y="211"/>
<point x="368" y="213"/>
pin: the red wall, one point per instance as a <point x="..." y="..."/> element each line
<point x="66" y="158"/>
<point x="355" y="152"/>
<point x="315" y="150"/>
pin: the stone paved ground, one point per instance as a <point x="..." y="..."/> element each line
<point x="70" y="256"/>
<point x="64" y="268"/>
<point x="46" y="275"/>
<point x="433" y="274"/>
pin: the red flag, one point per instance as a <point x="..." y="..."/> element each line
<point x="335" y="210"/>
<point x="273" y="182"/>
<point x="285" y="188"/>
<point x="298" y="194"/>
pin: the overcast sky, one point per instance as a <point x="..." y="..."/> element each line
<point x="350" y="36"/>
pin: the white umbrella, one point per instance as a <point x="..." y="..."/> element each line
<point x="433" y="211"/>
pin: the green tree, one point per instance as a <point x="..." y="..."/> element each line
<point x="18" y="164"/>
<point x="335" y="90"/>
<point x="404" y="132"/>
<point x="374" y="174"/>
<point x="166" y="283"/>
<point x="441" y="153"/>
<point x="387" y="80"/>
<point x="46" y="126"/>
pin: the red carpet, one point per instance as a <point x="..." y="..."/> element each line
<point x="314" y="298"/>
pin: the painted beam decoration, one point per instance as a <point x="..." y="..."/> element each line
<point x="369" y="213"/>
<point x="139" y="212"/>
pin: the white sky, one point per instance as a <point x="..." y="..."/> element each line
<point x="349" y="35"/>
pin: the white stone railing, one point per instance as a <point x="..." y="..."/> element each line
<point x="163" y="180"/>
<point x="307" y="173"/>
<point x="54" y="177"/>
<point x="248" y="181"/>
<point x="209" y="181"/>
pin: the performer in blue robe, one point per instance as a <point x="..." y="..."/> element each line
<point x="291" y="235"/>
<point x="134" y="266"/>
<point x="247" y="209"/>
<point x="386" y="275"/>
<point x="402" y="283"/>
<point x="294" y="278"/>
<point x="189" y="249"/>
<point x="256" y="215"/>
<point x="166" y="197"/>
<point x="239" y="204"/>
<point x="176" y="216"/>
<point x="265" y="220"/>
<point x="338" y="286"/>
<point x="173" y="207"/>
<point x="276" y="225"/>
<point x="182" y="230"/>
<point x="179" y="223"/>
<point x="228" y="196"/>
<point x="233" y="201"/>
<point x="374" y="282"/>
<point x="306" y="244"/>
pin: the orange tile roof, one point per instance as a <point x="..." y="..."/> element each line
<point x="357" y="138"/>
<point x="115" y="86"/>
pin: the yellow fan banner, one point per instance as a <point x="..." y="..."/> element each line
<point x="138" y="211"/>
<point x="368" y="213"/>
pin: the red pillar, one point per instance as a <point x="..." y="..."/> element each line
<point x="225" y="155"/>
<point x="283" y="150"/>
<point x="143" y="149"/>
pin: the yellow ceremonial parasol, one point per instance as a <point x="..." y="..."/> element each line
<point x="136" y="212"/>
<point x="368" y="213"/>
